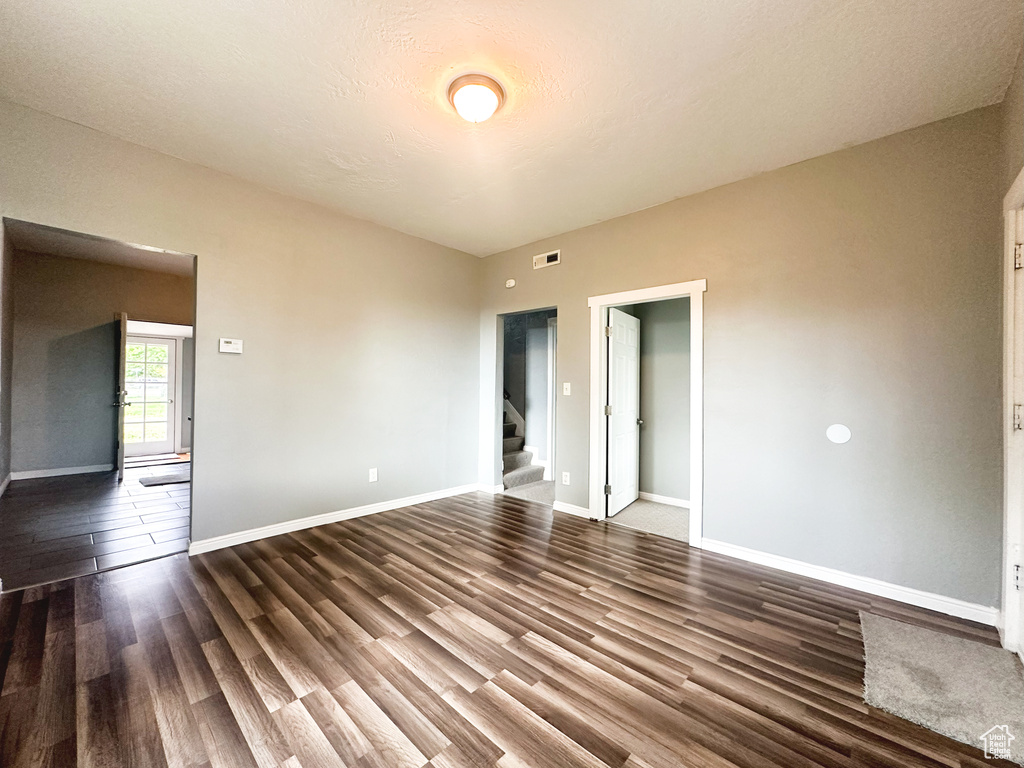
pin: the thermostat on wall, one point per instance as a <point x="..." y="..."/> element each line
<point x="231" y="346"/>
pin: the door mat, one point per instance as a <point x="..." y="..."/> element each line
<point x="179" y="477"/>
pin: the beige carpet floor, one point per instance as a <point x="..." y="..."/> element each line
<point x="662" y="519"/>
<point x="542" y="491"/>
<point x="957" y="687"/>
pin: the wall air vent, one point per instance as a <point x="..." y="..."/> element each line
<point x="547" y="259"/>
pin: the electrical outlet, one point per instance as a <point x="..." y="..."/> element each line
<point x="373" y="475"/>
<point x="566" y="389"/>
<point x="565" y="478"/>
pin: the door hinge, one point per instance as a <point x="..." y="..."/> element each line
<point x="1016" y="576"/>
<point x="607" y="410"/>
<point x="1018" y="256"/>
<point x="1017" y="417"/>
<point x="607" y="490"/>
<point x="608" y="330"/>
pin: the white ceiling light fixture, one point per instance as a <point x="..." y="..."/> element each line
<point x="476" y="96"/>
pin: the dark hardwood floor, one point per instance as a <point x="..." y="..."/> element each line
<point x="59" y="527"/>
<point x="469" y="632"/>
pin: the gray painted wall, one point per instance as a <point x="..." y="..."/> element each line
<point x="361" y="343"/>
<point x="665" y="397"/>
<point x="66" y="352"/>
<point x="526" y="373"/>
<point x="537" y="396"/>
<point x="514" y="368"/>
<point x="187" y="351"/>
<point x="861" y="287"/>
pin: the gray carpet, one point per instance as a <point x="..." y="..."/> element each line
<point x="662" y="519"/>
<point x="956" y="687"/>
<point x="542" y="491"/>
<point x="177" y="477"/>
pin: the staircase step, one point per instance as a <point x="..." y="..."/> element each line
<point x="522" y="476"/>
<point x="508" y="429"/>
<point x="516" y="459"/>
<point x="512" y="444"/>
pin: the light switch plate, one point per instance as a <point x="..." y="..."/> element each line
<point x="566" y="389"/>
<point x="231" y="346"/>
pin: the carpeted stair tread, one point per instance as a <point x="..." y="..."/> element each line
<point x="508" y="429"/>
<point x="516" y="459"/>
<point x="512" y="444"/>
<point x="522" y="476"/>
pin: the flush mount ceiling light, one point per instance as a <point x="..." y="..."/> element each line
<point x="476" y="97"/>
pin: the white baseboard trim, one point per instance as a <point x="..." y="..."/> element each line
<point x="5" y="483"/>
<point x="491" y="489"/>
<point x="31" y="474"/>
<point x="948" y="605"/>
<point x="572" y="509"/>
<point x="672" y="502"/>
<point x="252" y="534"/>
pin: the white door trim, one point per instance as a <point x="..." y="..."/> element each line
<point x="1011" y="625"/>
<point x="694" y="289"/>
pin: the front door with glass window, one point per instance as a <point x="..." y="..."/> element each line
<point x="149" y="389"/>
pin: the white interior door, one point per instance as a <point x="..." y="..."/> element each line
<point x="149" y="415"/>
<point x="1014" y="532"/>
<point x="624" y="399"/>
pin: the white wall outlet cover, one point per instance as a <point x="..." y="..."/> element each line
<point x="566" y="389"/>
<point x="565" y="478"/>
<point x="510" y="283"/>
<point x="839" y="433"/>
<point x="373" y="475"/>
<point x="231" y="346"/>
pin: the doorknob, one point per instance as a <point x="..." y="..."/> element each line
<point x="639" y="422"/>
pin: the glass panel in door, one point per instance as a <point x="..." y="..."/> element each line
<point x="149" y="386"/>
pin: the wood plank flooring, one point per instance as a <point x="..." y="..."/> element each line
<point x="59" y="527"/>
<point x="469" y="632"/>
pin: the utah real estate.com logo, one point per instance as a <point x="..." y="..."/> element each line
<point x="997" y="742"/>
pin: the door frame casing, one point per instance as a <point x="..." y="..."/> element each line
<point x="694" y="290"/>
<point x="1011" y="622"/>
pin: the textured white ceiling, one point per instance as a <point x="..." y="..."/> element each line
<point x="613" y="106"/>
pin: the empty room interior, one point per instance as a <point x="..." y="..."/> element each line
<point x="485" y="384"/>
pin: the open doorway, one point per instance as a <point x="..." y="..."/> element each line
<point x="157" y="395"/>
<point x="646" y="403"/>
<point x="95" y="399"/>
<point x="528" y="405"/>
